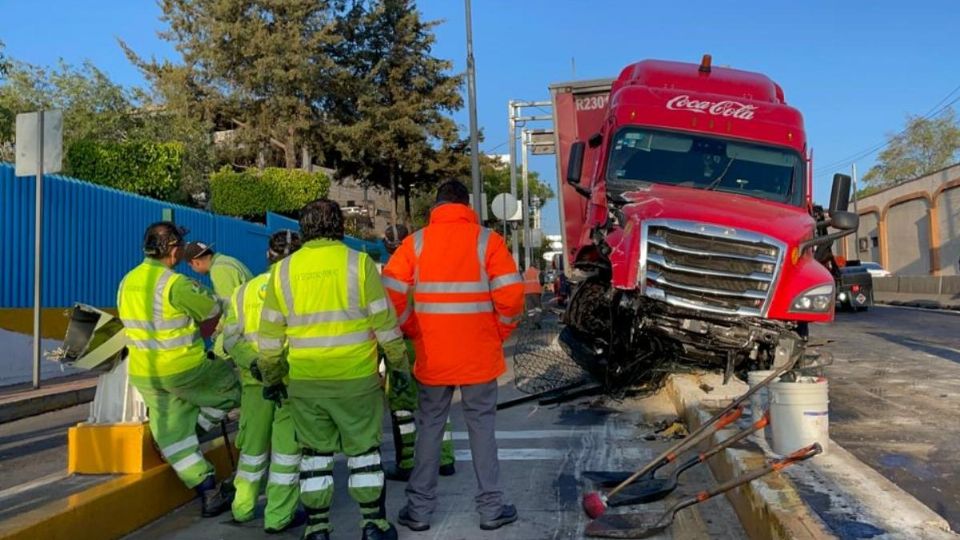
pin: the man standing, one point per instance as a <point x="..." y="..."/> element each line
<point x="163" y="314"/>
<point x="403" y="404"/>
<point x="467" y="298"/>
<point x="264" y="426"/>
<point x="326" y="307"/>
<point x="226" y="273"/>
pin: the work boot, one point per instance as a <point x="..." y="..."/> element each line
<point x="404" y="519"/>
<point x="317" y="535"/>
<point x="372" y="532"/>
<point x="448" y="470"/>
<point x="508" y="514"/>
<point x="397" y="473"/>
<point x="215" y="498"/>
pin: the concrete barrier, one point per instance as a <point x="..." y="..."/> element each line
<point x="939" y="292"/>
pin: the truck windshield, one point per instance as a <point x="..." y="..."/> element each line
<point x="689" y="160"/>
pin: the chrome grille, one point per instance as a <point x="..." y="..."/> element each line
<point x="708" y="267"/>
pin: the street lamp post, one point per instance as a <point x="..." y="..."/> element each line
<point x="472" y="97"/>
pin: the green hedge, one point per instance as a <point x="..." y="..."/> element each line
<point x="149" y="169"/>
<point x="254" y="192"/>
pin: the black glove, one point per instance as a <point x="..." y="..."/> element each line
<point x="255" y="371"/>
<point x="276" y="393"/>
<point x="399" y="381"/>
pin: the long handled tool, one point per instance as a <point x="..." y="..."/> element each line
<point x="226" y="444"/>
<point x="647" y="524"/>
<point x="654" y="489"/>
<point x="595" y="503"/>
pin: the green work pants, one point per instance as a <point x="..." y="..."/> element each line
<point x="175" y="402"/>
<point x="266" y="439"/>
<point x="402" y="406"/>
<point x="327" y="425"/>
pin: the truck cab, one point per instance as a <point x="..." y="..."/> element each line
<point x="688" y="217"/>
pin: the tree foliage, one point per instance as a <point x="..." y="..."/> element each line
<point x="253" y="193"/>
<point x="148" y="169"/>
<point x="926" y="145"/>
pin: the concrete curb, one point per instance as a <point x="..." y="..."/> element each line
<point x="32" y="404"/>
<point x="112" y="509"/>
<point x="831" y="496"/>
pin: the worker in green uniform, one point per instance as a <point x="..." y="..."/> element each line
<point x="403" y="404"/>
<point x="226" y="272"/>
<point x="266" y="436"/>
<point x="164" y="316"/>
<point x="324" y="315"/>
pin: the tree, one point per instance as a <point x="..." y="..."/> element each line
<point x="391" y="123"/>
<point x="926" y="145"/>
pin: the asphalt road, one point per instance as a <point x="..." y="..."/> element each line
<point x="895" y="398"/>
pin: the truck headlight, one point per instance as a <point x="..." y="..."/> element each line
<point x="816" y="300"/>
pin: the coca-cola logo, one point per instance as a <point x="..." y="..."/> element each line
<point x="726" y="108"/>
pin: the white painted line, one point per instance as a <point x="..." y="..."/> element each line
<point x="552" y="454"/>
<point x="39" y="482"/>
<point x="553" y="434"/>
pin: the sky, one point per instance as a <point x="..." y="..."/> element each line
<point x="855" y="69"/>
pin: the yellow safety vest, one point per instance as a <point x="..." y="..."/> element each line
<point x="329" y="336"/>
<point x="247" y="300"/>
<point x="164" y="340"/>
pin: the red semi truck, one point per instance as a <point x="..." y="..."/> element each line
<point x="688" y="224"/>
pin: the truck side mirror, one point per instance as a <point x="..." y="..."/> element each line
<point x="846" y="221"/>
<point x="839" y="194"/>
<point x="575" y="163"/>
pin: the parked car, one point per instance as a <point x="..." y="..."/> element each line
<point x="875" y="269"/>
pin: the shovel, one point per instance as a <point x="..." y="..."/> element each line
<point x="647" y="524"/>
<point x="654" y="489"/>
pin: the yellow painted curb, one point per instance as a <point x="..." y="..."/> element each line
<point x="111" y="509"/>
<point x="111" y="449"/>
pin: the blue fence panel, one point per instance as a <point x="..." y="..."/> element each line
<point x="375" y="249"/>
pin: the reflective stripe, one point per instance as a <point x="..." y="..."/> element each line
<point x="215" y="414"/>
<point x="482" y="252"/>
<point x="395" y="285"/>
<point x="253" y="461"/>
<point x="504" y="280"/>
<point x="284" y="276"/>
<point x="385" y="336"/>
<point x="158" y="295"/>
<point x="365" y="480"/>
<point x="448" y="436"/>
<point x="408" y="428"/>
<point x="316" y="463"/>
<point x="418" y="243"/>
<point x="270" y="344"/>
<point x="188" y="462"/>
<point x="353" y="278"/>
<point x="319" y="483"/>
<point x="403" y="414"/>
<point x="378" y="306"/>
<point x="283" y="479"/>
<point x="252" y="337"/>
<point x="352" y="338"/>
<point x="407" y="311"/>
<point x="287" y="460"/>
<point x="452" y="287"/>
<point x="229" y="342"/>
<point x="326" y="317"/>
<point x="180" y="445"/>
<point x="205" y="423"/>
<point x="365" y="460"/>
<point x="454" y="307"/>
<point x="251" y="476"/>
<point x="508" y="320"/>
<point x="217" y="309"/>
<point x="165" y="344"/>
<point x="232" y="330"/>
<point x="239" y="308"/>
<point x="272" y="316"/>
<point x="168" y="324"/>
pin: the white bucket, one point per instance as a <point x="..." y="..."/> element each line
<point x="799" y="414"/>
<point x="759" y="401"/>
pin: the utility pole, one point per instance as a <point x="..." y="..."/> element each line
<point x="856" y="232"/>
<point x="512" y="141"/>
<point x="525" y="204"/>
<point x="472" y="97"/>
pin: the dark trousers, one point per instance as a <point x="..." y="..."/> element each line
<point x="480" y="411"/>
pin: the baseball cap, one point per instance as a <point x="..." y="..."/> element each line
<point x="197" y="249"/>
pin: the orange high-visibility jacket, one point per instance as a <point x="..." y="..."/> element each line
<point x="531" y="281"/>
<point x="467" y="297"/>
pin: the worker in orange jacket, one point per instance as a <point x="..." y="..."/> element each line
<point x="532" y="289"/>
<point x="467" y="299"/>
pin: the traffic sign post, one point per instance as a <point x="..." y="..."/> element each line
<point x="39" y="150"/>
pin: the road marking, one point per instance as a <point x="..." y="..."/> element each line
<point x="552" y="454"/>
<point x="554" y="434"/>
<point x="39" y="482"/>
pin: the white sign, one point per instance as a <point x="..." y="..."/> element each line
<point x="28" y="137"/>
<point x="504" y="206"/>
<point x="727" y="108"/>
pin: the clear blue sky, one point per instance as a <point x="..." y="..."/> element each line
<point x="855" y="69"/>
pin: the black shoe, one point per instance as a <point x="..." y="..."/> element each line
<point x="397" y="474"/>
<point x="404" y="519"/>
<point x="317" y="535"/>
<point x="508" y="514"/>
<point x="448" y="470"/>
<point x="372" y="532"/>
<point x="298" y="519"/>
<point x="215" y="498"/>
